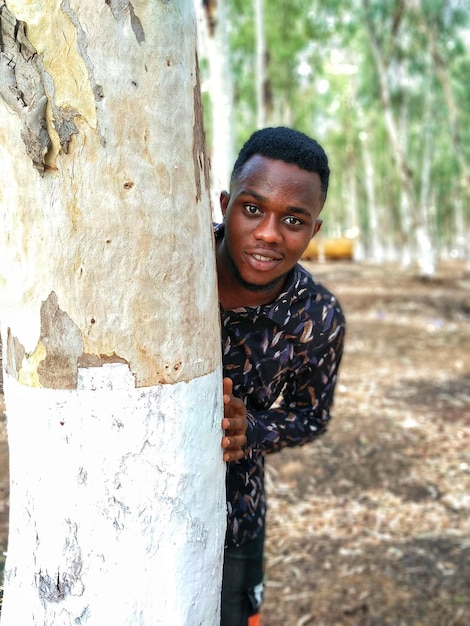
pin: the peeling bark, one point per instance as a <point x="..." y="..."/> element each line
<point x="21" y="86"/>
<point x="63" y="343"/>
<point x="123" y="9"/>
<point x="54" y="362"/>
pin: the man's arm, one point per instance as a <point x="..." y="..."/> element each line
<point x="304" y="410"/>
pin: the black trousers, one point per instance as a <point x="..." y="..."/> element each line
<point x="242" y="584"/>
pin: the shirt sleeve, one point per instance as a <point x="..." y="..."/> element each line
<point x="303" y="411"/>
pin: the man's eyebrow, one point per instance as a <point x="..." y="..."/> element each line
<point x="253" y="194"/>
<point x="260" y="198"/>
<point x="300" y="210"/>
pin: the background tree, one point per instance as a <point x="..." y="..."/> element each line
<point x="107" y="267"/>
<point x="214" y="49"/>
<point x="390" y="71"/>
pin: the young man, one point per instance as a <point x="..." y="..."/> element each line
<point x="282" y="333"/>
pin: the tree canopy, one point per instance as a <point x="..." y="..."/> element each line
<point x="382" y="84"/>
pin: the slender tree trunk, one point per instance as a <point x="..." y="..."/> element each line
<point x="354" y="231"/>
<point x="427" y="196"/>
<point x="460" y="239"/>
<point x="260" y="64"/>
<point x="216" y="39"/>
<point x="109" y="318"/>
<point x="375" y="239"/>
<point x="425" y="187"/>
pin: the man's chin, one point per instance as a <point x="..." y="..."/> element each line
<point x="267" y="288"/>
<point x="259" y="287"/>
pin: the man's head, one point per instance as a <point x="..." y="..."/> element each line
<point x="277" y="191"/>
<point x="288" y="145"/>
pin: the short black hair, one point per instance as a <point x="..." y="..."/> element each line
<point x="288" y="145"/>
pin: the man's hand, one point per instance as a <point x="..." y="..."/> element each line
<point x="234" y="423"/>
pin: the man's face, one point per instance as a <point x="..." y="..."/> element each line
<point x="270" y="216"/>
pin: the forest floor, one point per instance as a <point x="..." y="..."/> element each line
<point x="370" y="525"/>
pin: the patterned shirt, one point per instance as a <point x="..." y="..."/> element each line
<point x="283" y="359"/>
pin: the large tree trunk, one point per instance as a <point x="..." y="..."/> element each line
<point x="109" y="318"/>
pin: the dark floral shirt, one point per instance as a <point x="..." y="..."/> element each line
<point x="283" y="359"/>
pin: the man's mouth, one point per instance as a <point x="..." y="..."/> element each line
<point x="263" y="262"/>
<point x="264" y="259"/>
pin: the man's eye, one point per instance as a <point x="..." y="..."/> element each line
<point x="251" y="209"/>
<point x="293" y="221"/>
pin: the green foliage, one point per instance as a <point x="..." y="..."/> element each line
<point x="322" y="79"/>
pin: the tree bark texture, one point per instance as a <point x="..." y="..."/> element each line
<point x="109" y="317"/>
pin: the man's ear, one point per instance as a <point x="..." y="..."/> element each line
<point x="317" y="227"/>
<point x="224" y="200"/>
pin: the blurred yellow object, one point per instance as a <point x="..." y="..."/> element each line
<point x="329" y="249"/>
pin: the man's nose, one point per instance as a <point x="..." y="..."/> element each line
<point x="268" y="229"/>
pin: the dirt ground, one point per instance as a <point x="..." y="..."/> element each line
<point x="370" y="525"/>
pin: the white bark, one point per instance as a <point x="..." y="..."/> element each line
<point x="427" y="258"/>
<point x="109" y="318"/>
<point x="111" y="524"/>
<point x="375" y="239"/>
